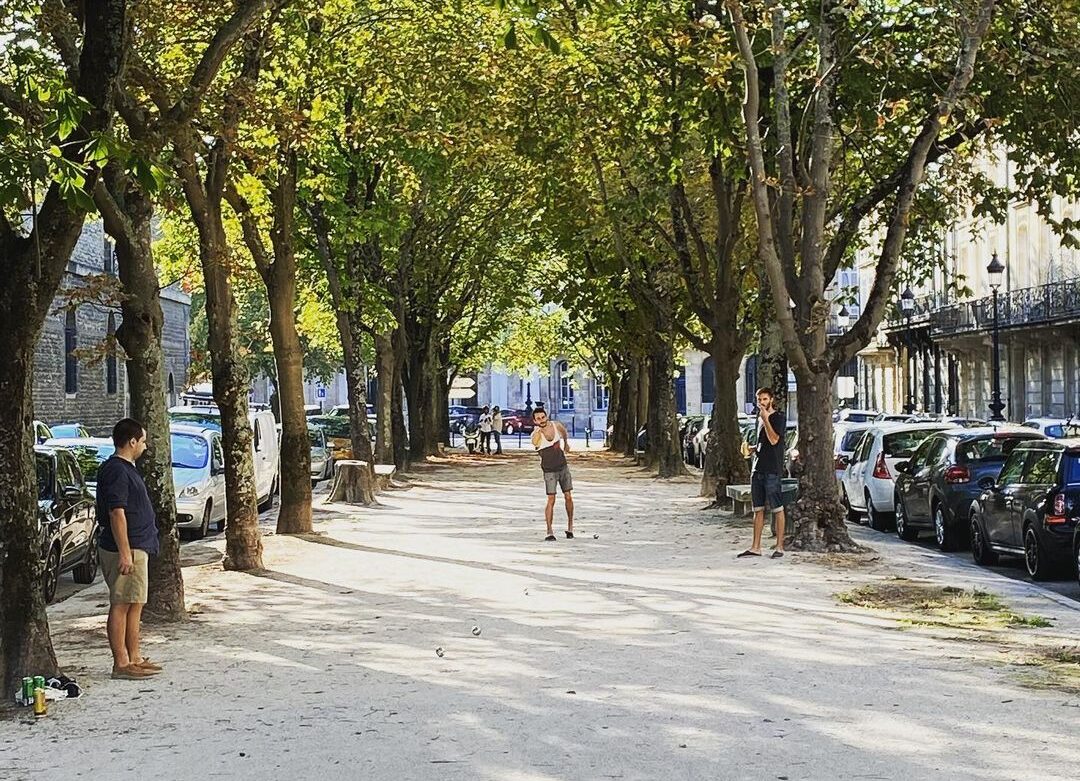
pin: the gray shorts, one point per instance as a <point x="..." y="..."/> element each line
<point x="561" y="479"/>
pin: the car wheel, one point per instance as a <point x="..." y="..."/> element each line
<point x="509" y="429"/>
<point x="269" y="501"/>
<point x="876" y="520"/>
<point x="87" y="571"/>
<point x="852" y="515"/>
<point x="1034" y="557"/>
<point x="903" y="529"/>
<point x="943" y="533"/>
<point x="204" y="527"/>
<point x="51" y="575"/>
<point x="980" y="546"/>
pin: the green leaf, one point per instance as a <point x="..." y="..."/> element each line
<point x="509" y="38"/>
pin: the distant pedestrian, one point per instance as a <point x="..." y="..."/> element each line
<point x="497" y="429"/>
<point x="485" y="430"/>
<point x="550" y="439"/>
<point x="129" y="537"/>
<point x="765" y="486"/>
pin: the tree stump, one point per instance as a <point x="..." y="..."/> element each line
<point x="353" y="483"/>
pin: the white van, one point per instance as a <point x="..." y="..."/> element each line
<point x="264" y="443"/>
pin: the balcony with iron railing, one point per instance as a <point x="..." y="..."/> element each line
<point x="1049" y="304"/>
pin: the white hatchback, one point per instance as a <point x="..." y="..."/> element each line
<point x="867" y="486"/>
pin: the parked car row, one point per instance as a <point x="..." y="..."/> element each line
<point x="514" y="420"/>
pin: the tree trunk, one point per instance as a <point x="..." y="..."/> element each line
<point x="398" y="424"/>
<point x="820" y="520"/>
<point x="294" y="512"/>
<point x="354" y="483"/>
<point x="357" y="384"/>
<point x="421" y="390"/>
<point x="724" y="462"/>
<point x="140" y="336"/>
<point x="243" y="540"/>
<point x="628" y="419"/>
<point x="663" y="418"/>
<point x="641" y="404"/>
<point x="615" y="408"/>
<point x="385" y="362"/>
<point x="772" y="363"/>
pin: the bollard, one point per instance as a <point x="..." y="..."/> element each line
<point x="588" y="431"/>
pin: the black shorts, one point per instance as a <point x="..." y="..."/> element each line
<point x="765" y="492"/>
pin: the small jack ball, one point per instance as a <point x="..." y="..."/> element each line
<point x="439" y="652"/>
<point x="476" y="631"/>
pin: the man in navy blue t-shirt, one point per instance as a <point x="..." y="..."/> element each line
<point x="128" y="538"/>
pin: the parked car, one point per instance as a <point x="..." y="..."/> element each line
<point x="515" y="420"/>
<point x="342" y="410"/>
<point x="338" y="436"/>
<point x="198" y="462"/>
<point x="1055" y="428"/>
<point x="41" y="432"/>
<point x="463" y="417"/>
<point x="67" y="520"/>
<point x="792" y="457"/>
<point x="700" y="442"/>
<point x="691" y="426"/>
<point x="935" y="488"/>
<point x="896" y="417"/>
<point x="956" y="420"/>
<point x="264" y="444"/>
<point x="1031" y="509"/>
<point x="867" y="486"/>
<point x="322" y="460"/>
<point x="855" y="416"/>
<point x="69" y="431"/>
<point x="89" y="452"/>
<point x="846" y="438"/>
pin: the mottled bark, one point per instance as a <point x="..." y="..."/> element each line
<point x="724" y="462"/>
<point x="385" y="362"/>
<point x="663" y="423"/>
<point x="354" y="483"/>
<point x="422" y="393"/>
<point x="772" y="364"/>
<point x="641" y="403"/>
<point x="127" y="212"/>
<point x="31" y="269"/>
<point x="402" y="448"/>
<point x="821" y="516"/>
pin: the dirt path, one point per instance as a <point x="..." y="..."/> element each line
<point x="648" y="653"/>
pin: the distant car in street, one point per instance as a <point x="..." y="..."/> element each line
<point x="69" y="431"/>
<point x="937" y="485"/>
<point x="867" y="485"/>
<point x="691" y="426"/>
<point x="1055" y="428"/>
<point x="463" y="417"/>
<point x="855" y="416"/>
<point x="339" y="435"/>
<point x="198" y="463"/>
<point x="41" y="432"/>
<point x="322" y="460"/>
<point x="896" y="417"/>
<point x="67" y="520"/>
<point x="89" y="452"/>
<point x="846" y="436"/>
<point x="515" y="420"/>
<point x="343" y="411"/>
<point x="1031" y="509"/>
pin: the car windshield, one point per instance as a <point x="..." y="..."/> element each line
<point x="860" y="417"/>
<point x="91" y="457"/>
<point x="851" y="439"/>
<point x="201" y="419"/>
<point x="900" y="443"/>
<point x="189" y="451"/>
<point x="44" y="476"/>
<point x="1072" y="468"/>
<point x="67" y="430"/>
<point x="334" y="426"/>
<point x="987" y="450"/>
<point x="315" y="437"/>
<point x="1055" y="431"/>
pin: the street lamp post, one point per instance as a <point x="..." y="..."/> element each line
<point x="995" y="270"/>
<point x="907" y="306"/>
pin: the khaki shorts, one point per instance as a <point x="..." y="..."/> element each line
<point x="560" y="479"/>
<point x="127" y="589"/>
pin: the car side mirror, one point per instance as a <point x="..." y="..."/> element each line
<point x="73" y="492"/>
<point x="844" y="460"/>
<point x="987" y="484"/>
<point x="903" y="466"/>
<point x="216" y="470"/>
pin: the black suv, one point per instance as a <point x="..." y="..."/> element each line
<point x="1031" y="510"/>
<point x="67" y="520"/>
<point x="935" y="488"/>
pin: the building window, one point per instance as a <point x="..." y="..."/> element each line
<point x="566" y="388"/>
<point x="110" y="358"/>
<point x="71" y="363"/>
<point x="602" y="394"/>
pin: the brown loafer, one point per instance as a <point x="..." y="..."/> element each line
<point x="146" y="664"/>
<point x="132" y="673"/>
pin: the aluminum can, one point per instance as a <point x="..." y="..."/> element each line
<point x="27" y="690"/>
<point x="39" y="681"/>
<point x="41" y="706"/>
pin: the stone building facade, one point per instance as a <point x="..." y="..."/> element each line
<point x="939" y="358"/>
<point x="69" y="386"/>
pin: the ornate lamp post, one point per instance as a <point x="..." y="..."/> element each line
<point x="843" y="318"/>
<point x="907" y="306"/>
<point x="995" y="270"/>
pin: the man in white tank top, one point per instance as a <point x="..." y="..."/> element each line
<point x="550" y="439"/>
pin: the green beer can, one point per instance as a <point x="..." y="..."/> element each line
<point x="27" y="690"/>
<point x="39" y="683"/>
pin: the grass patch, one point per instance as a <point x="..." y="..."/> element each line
<point x="1052" y="669"/>
<point x="925" y="604"/>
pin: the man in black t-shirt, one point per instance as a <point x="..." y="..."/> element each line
<point x="128" y="538"/>
<point x="765" y="487"/>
